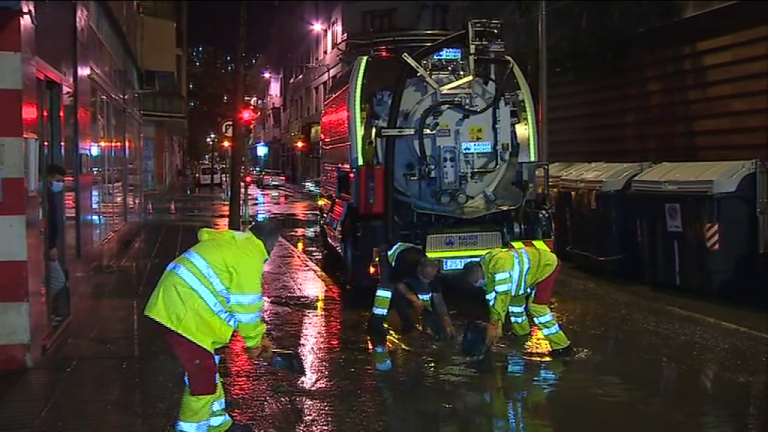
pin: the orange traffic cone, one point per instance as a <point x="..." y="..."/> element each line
<point x="173" y="207"/>
<point x="149" y="207"/>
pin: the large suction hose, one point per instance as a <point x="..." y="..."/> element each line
<point x="394" y="117"/>
<point x="422" y="123"/>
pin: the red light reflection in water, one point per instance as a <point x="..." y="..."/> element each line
<point x="319" y="339"/>
<point x="265" y="397"/>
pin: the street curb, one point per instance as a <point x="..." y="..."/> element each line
<point x="305" y="259"/>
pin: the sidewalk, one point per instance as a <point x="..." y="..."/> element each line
<point x="576" y="284"/>
<point x="110" y="368"/>
<point x="94" y="377"/>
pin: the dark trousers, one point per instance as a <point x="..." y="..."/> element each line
<point x="198" y="363"/>
<point x="405" y="311"/>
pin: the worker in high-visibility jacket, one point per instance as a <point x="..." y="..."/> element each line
<point x="516" y="281"/>
<point x="408" y="285"/>
<point x="207" y="293"/>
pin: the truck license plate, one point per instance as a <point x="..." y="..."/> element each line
<point x="458" y="263"/>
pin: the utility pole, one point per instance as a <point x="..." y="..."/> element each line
<point x="543" y="97"/>
<point x="238" y="131"/>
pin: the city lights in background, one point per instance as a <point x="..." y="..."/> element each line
<point x="266" y="74"/>
<point x="262" y="149"/>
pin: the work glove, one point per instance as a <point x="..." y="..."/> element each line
<point x="264" y="349"/>
<point x="492" y="333"/>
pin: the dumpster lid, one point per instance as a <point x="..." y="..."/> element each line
<point x="694" y="177"/>
<point x="601" y="176"/>
<point x="556" y="170"/>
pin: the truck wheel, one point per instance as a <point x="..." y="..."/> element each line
<point x="355" y="261"/>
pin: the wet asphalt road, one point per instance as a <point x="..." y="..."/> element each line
<point x="642" y="366"/>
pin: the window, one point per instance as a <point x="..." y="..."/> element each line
<point x="378" y="21"/>
<point x="166" y="81"/>
<point x="440" y="17"/>
<point x="335" y="33"/>
<point x="344" y="183"/>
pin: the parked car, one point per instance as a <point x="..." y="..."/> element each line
<point x="270" y="178"/>
<point x="312" y="185"/>
<point x="207" y="175"/>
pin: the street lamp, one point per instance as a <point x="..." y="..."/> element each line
<point x="266" y="75"/>
<point x="317" y="27"/>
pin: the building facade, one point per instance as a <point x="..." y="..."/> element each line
<point x="70" y="88"/>
<point x="303" y="64"/>
<point x="162" y="54"/>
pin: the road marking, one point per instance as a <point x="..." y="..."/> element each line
<point x="717" y="321"/>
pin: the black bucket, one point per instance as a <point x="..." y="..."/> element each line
<point x="287" y="360"/>
<point x="473" y="341"/>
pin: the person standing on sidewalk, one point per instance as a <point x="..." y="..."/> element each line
<point x="57" y="279"/>
<point x="516" y="281"/>
<point x="207" y="293"/>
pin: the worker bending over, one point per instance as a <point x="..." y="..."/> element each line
<point x="207" y="293"/>
<point x="515" y="281"/>
<point x="410" y="286"/>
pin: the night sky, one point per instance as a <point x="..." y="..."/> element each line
<point x="215" y="24"/>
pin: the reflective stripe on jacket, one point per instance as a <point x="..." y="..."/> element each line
<point x="213" y="289"/>
<point x="396" y="249"/>
<point x="514" y="273"/>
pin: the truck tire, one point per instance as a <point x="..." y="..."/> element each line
<point x="357" y="250"/>
<point x="355" y="269"/>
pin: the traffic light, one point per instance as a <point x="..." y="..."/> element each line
<point x="247" y="179"/>
<point x="300" y="144"/>
<point x="226" y="144"/>
<point x="247" y="115"/>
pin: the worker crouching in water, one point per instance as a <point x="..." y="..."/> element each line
<point x="206" y="294"/>
<point x="409" y="285"/>
<point x="516" y="281"/>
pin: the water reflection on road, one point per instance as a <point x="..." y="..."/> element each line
<point x="640" y="368"/>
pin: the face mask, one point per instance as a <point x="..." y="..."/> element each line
<point x="480" y="283"/>
<point x="57" y="186"/>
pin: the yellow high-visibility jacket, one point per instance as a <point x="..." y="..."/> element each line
<point x="511" y="273"/>
<point x="213" y="289"/>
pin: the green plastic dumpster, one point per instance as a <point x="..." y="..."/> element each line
<point x="698" y="225"/>
<point x="601" y="223"/>
<point x="556" y="199"/>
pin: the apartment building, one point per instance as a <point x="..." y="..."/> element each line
<point x="162" y="53"/>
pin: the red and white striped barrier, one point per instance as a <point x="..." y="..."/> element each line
<point x="712" y="236"/>
<point x="14" y="285"/>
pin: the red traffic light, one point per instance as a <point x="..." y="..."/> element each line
<point x="248" y="179"/>
<point x="247" y="115"/>
<point x="300" y="144"/>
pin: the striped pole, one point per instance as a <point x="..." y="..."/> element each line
<point x="14" y="287"/>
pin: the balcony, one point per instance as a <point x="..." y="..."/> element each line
<point x="163" y="105"/>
